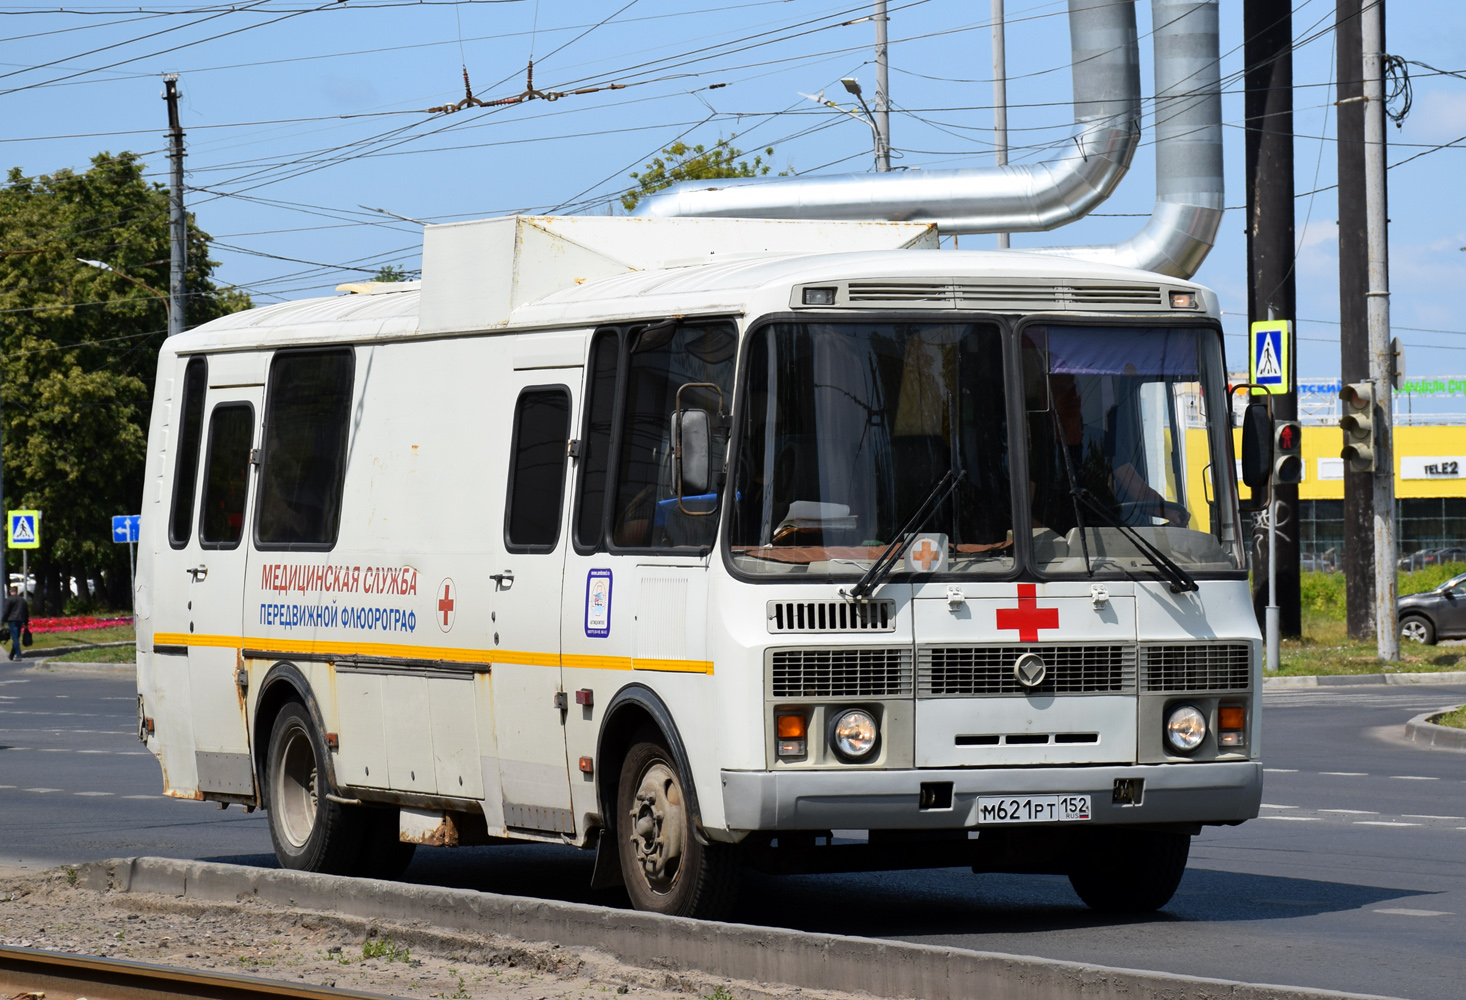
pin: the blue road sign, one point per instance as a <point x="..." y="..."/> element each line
<point x="126" y="528"/>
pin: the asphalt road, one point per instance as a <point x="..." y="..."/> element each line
<point x="1353" y="879"/>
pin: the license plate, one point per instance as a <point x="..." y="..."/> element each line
<point x="1033" y="809"/>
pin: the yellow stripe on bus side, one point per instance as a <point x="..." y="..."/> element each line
<point x="285" y="648"/>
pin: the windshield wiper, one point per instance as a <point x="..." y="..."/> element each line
<point x="1073" y="489"/>
<point x="881" y="568"/>
<point x="1180" y="580"/>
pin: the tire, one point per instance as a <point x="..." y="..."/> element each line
<point x="665" y="869"/>
<point x="310" y="832"/>
<point x="1417" y="628"/>
<point x="1130" y="871"/>
<point x="383" y="854"/>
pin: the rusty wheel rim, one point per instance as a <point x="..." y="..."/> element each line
<point x="658" y="827"/>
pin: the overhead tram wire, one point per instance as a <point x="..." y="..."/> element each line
<point x="331" y="4"/>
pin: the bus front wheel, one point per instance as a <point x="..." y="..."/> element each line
<point x="310" y="832"/>
<point x="1130" y="871"/>
<point x="665" y="868"/>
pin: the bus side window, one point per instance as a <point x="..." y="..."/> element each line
<point x="536" y="492"/>
<point x="226" y="476"/>
<point x="190" y="433"/>
<point x="304" y="466"/>
<point x="595" y="455"/>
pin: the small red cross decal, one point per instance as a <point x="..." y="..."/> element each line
<point x="1028" y="617"/>
<point x="445" y="603"/>
<point x="926" y="554"/>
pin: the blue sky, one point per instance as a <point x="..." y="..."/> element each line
<point x="298" y="113"/>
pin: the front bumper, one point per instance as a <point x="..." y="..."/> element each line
<point x="1221" y="792"/>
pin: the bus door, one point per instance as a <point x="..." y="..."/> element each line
<point x="527" y="574"/>
<point x="213" y="569"/>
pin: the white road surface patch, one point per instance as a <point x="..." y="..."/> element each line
<point x="1346" y="774"/>
<point x="1271" y="805"/>
<point x="1404" y="911"/>
<point x="1412" y="777"/>
<point x="1381" y="822"/>
<point x="1352" y="812"/>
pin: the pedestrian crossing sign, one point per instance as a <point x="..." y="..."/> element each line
<point x="25" y="529"/>
<point x="1269" y="355"/>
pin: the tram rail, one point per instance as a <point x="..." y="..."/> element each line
<point x="28" y="972"/>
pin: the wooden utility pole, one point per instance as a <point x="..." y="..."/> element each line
<point x="1358" y="563"/>
<point x="1267" y="26"/>
<point x="177" y="221"/>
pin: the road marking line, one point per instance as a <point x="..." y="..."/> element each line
<point x="55" y="749"/>
<point x="1381" y="822"/>
<point x="1296" y="819"/>
<point x="1402" y="911"/>
<point x="91" y="793"/>
<point x="1412" y="777"/>
<point x="94" y="751"/>
<point x="1422" y="816"/>
<point x="1346" y="774"/>
<point x="143" y="796"/>
<point x="1280" y="770"/>
<point x="7" y="786"/>
<point x="1269" y="805"/>
<point x="1352" y="812"/>
<point x="43" y="790"/>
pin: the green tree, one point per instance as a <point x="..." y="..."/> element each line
<point x="78" y="354"/>
<point x="681" y="162"/>
<point x="391" y="272"/>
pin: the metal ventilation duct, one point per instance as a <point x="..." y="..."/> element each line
<point x="1188" y="147"/>
<point x="1025" y="198"/>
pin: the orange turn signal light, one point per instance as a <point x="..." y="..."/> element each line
<point x="791" y="727"/>
<point x="1232" y="717"/>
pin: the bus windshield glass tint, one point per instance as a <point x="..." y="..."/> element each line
<point x="305" y="449"/>
<point x="670" y="365"/>
<point x="226" y="476"/>
<point x="1118" y="434"/>
<point x="848" y="427"/>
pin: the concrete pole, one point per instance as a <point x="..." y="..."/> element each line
<point x="1000" y="97"/>
<point x="1381" y="358"/>
<point x="883" y="93"/>
<point x="1358" y="565"/>
<point x="177" y="221"/>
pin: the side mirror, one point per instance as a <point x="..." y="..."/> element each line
<point x="1257" y="446"/>
<point x="692" y="449"/>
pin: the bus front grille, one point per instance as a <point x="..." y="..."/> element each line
<point x="832" y="616"/>
<point x="965" y="671"/>
<point x="1197" y="666"/>
<point x="841" y="673"/>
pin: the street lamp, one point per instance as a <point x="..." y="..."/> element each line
<point x="103" y="266"/>
<point x="852" y="85"/>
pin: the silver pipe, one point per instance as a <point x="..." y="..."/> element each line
<point x="1188" y="147"/>
<point x="1026" y="198"/>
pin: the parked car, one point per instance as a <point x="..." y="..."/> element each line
<point x="1435" y="614"/>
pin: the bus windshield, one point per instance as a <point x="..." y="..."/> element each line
<point x="1118" y="435"/>
<point x="847" y="427"/>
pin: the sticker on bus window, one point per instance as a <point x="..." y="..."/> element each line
<point x="598" y="603"/>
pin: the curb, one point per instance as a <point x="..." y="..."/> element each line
<point x="1422" y="730"/>
<point x="47" y="652"/>
<point x="736" y="951"/>
<point x="1349" y="680"/>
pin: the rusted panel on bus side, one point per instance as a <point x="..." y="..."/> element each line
<point x="431" y="829"/>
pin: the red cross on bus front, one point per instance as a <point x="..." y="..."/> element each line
<point x="1028" y="617"/>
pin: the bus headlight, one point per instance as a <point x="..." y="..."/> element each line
<point x="1185" y="728"/>
<point x="854" y="734"/>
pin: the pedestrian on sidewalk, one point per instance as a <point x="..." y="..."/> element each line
<point x="18" y="615"/>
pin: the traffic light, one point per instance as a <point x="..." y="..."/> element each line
<point x="1287" y="452"/>
<point x="1358" y="425"/>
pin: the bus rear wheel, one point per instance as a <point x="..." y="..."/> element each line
<point x="1130" y="871"/>
<point x="665" y="868"/>
<point x="310" y="832"/>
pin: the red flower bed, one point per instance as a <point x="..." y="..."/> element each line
<point x="76" y="623"/>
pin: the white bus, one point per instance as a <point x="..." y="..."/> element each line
<point x="704" y="544"/>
